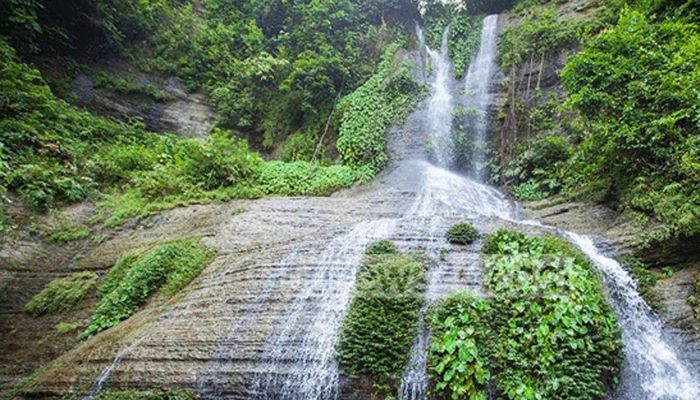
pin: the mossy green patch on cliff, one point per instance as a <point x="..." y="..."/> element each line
<point x="464" y="35"/>
<point x="62" y="294"/>
<point x="376" y="336"/>
<point x="136" y="276"/>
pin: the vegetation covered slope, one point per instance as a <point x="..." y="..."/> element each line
<point x="274" y="70"/>
<point x="628" y="131"/>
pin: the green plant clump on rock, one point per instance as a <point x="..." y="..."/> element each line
<point x="376" y="336"/>
<point x="168" y="267"/>
<point x="462" y="234"/>
<point x="546" y="332"/>
<point x="62" y="294"/>
<point x="460" y="354"/>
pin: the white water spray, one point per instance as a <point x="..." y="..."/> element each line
<point x="441" y="103"/>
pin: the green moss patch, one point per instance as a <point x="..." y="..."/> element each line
<point x="62" y="294"/>
<point x="168" y="267"/>
<point x="376" y="336"/>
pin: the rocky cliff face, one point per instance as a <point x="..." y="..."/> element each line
<point x="182" y="113"/>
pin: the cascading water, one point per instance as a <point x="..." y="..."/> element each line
<point x="298" y="362"/>
<point x="441" y="103"/>
<point x="653" y="369"/>
<point x="478" y="98"/>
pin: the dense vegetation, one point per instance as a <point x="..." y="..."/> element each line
<point x="462" y="233"/>
<point x="547" y="332"/>
<point x="382" y="322"/>
<point x="136" y="276"/>
<point x="628" y="132"/>
<point x="62" y="294"/>
<point x="281" y="74"/>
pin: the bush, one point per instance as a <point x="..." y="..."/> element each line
<point x="462" y="234"/>
<point x="62" y="294"/>
<point x="459" y="359"/>
<point x="302" y="179"/>
<point x="299" y="147"/>
<point x="553" y="340"/>
<point x="376" y="336"/>
<point x="168" y="267"/>
<point x="381" y="247"/>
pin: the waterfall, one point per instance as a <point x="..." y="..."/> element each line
<point x="478" y="97"/>
<point x="441" y="104"/>
<point x="653" y="369"/>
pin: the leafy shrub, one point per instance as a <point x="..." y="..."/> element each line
<point x="168" y="267"/>
<point x="376" y="336"/>
<point x="459" y="354"/>
<point x="553" y="340"/>
<point x="62" y="294"/>
<point x="145" y="395"/>
<point x="462" y="233"/>
<point x="694" y="301"/>
<point x="464" y="36"/>
<point x="302" y="179"/>
<point x="381" y="247"/>
<point x="69" y="232"/>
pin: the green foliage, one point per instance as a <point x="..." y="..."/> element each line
<point x="299" y="147"/>
<point x="386" y="98"/>
<point x="302" y="179"/>
<point x="145" y="395"/>
<point x="69" y="231"/>
<point x="538" y="34"/>
<point x="62" y="294"/>
<point x="381" y="247"/>
<point x="129" y="85"/>
<point x="556" y="336"/>
<point x="634" y="87"/>
<point x="646" y="281"/>
<point x="464" y="36"/>
<point x="168" y="267"/>
<point x="462" y="233"/>
<point x="459" y="353"/>
<point x="376" y="336"/>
